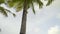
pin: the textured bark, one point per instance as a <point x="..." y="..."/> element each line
<point x="24" y="18"/>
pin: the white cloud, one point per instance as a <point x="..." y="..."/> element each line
<point x="54" y="30"/>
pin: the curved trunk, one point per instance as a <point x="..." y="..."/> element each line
<point x="24" y="18"/>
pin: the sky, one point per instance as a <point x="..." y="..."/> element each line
<point x="45" y="21"/>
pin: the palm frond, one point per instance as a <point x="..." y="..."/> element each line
<point x="2" y="10"/>
<point x="19" y="6"/>
<point x="10" y="12"/>
<point x="49" y="2"/>
<point x="29" y="4"/>
<point x="33" y="8"/>
<point x="40" y="3"/>
<point x="5" y="11"/>
<point x="11" y="3"/>
<point x="2" y="1"/>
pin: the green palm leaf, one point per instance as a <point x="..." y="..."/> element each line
<point x="2" y="1"/>
<point x="49" y="2"/>
<point x="33" y="8"/>
<point x="2" y="10"/>
<point x="40" y="3"/>
<point x="5" y="11"/>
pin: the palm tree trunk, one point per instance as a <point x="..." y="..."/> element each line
<point x="24" y="18"/>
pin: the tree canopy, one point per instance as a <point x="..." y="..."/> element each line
<point x="18" y="4"/>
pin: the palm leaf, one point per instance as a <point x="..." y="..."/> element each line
<point x="19" y="6"/>
<point x="49" y="2"/>
<point x="2" y="10"/>
<point x="33" y="8"/>
<point x="5" y="11"/>
<point x="11" y="12"/>
<point x="40" y="3"/>
<point x="2" y="1"/>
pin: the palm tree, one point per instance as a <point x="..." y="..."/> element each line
<point x="25" y="5"/>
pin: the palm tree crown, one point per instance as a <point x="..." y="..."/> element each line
<point x="18" y="4"/>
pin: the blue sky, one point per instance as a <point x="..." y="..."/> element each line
<point x="46" y="21"/>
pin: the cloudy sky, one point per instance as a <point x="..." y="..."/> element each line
<point x="45" y="21"/>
